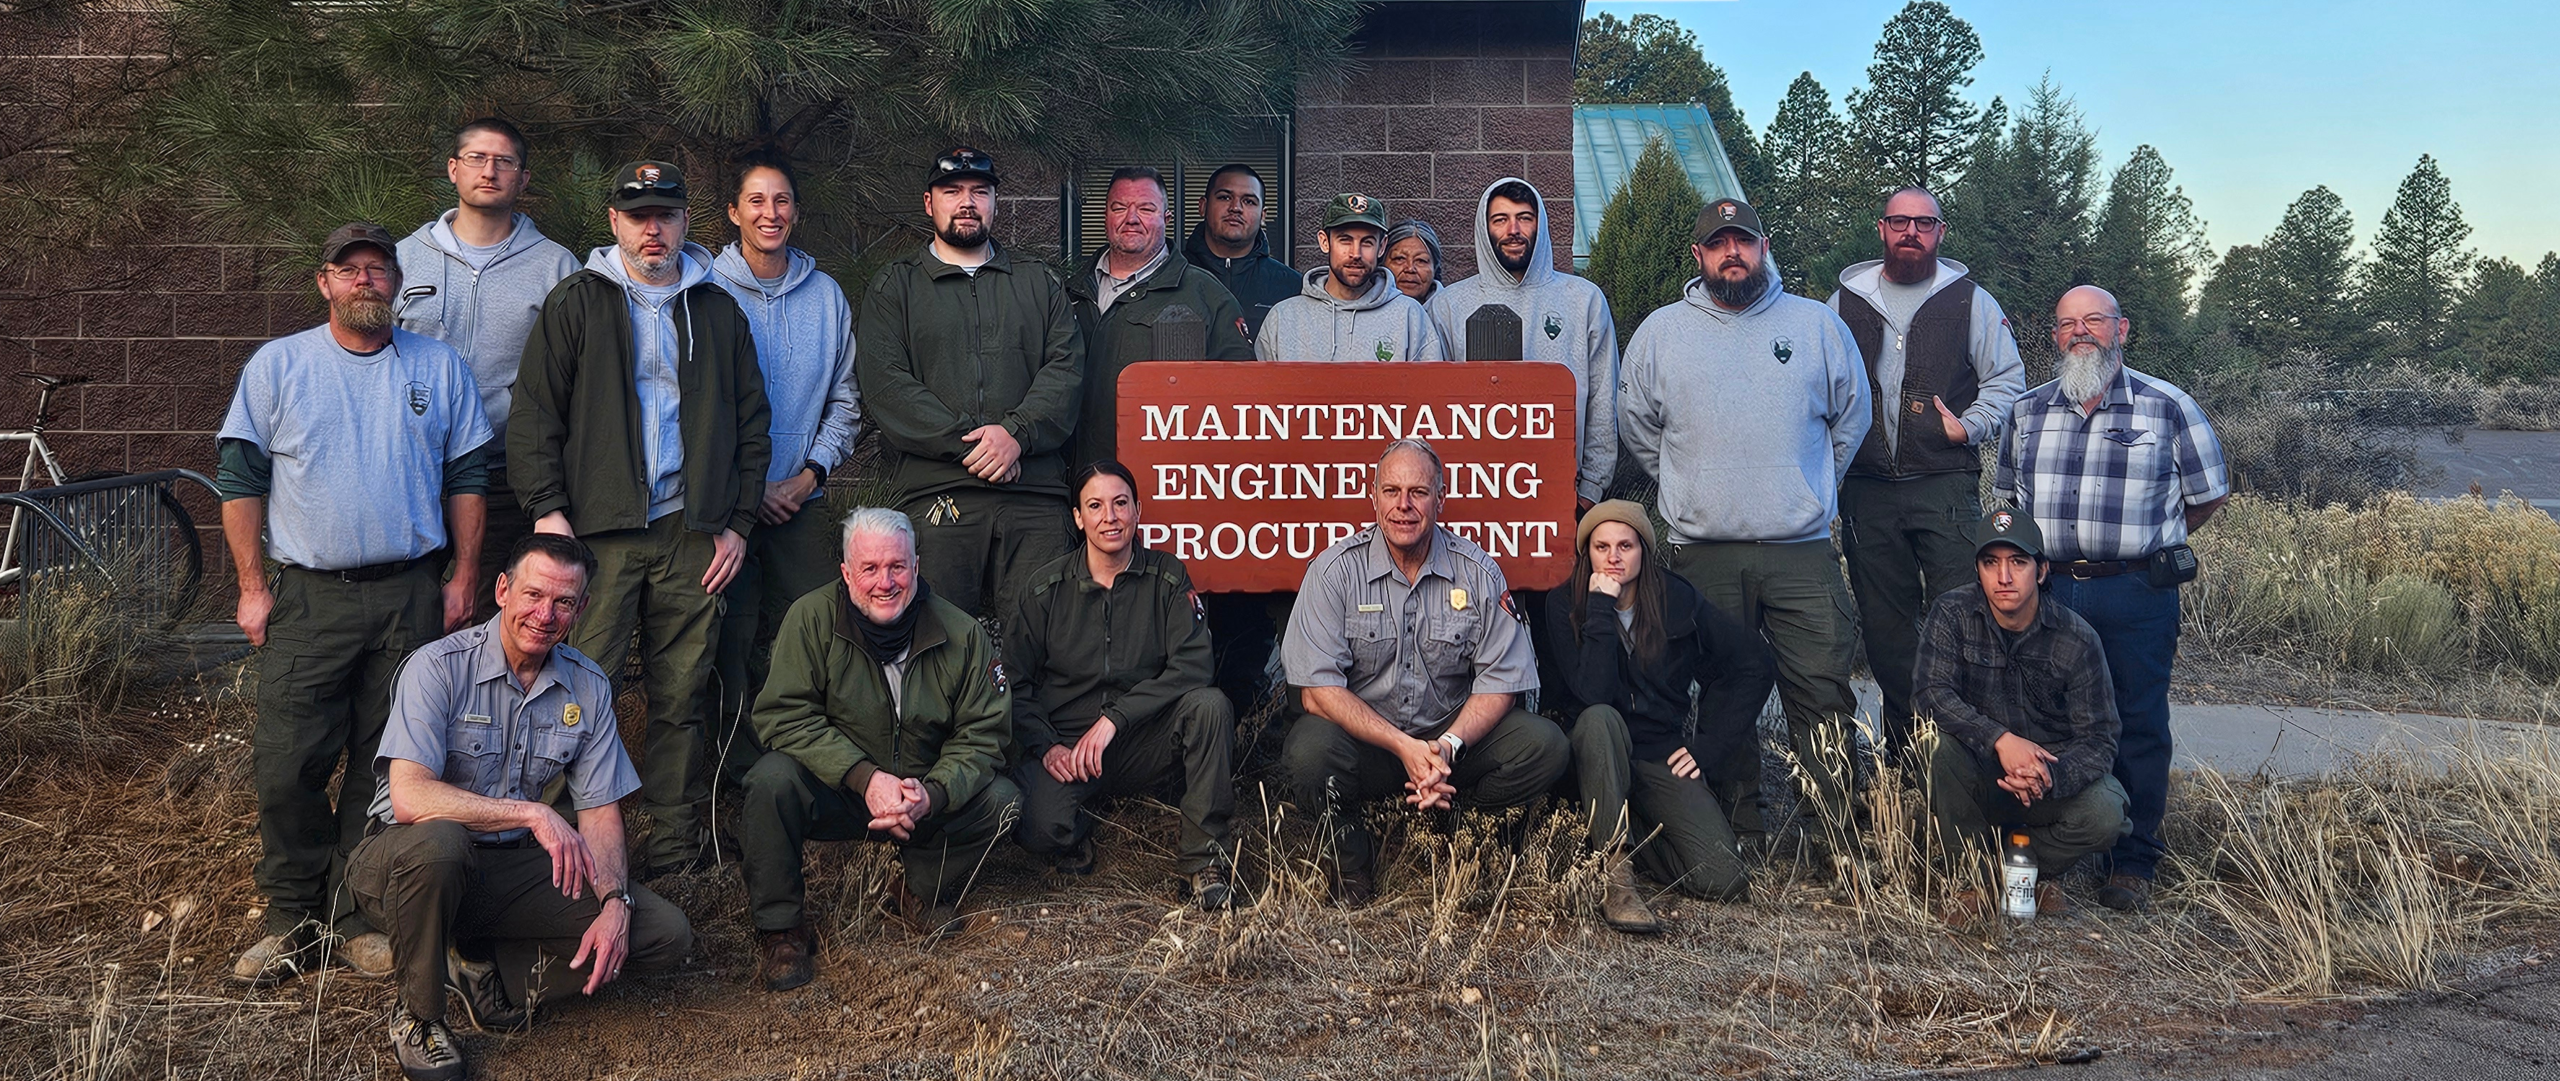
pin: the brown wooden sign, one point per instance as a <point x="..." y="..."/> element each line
<point x="1246" y="470"/>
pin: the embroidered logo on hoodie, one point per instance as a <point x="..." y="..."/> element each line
<point x="1782" y="349"/>
<point x="1555" y="326"/>
<point x="1386" y="349"/>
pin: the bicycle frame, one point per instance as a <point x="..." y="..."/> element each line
<point x="37" y="454"/>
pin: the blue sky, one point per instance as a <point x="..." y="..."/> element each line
<point x="2252" y="102"/>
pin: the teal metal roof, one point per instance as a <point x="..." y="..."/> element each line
<point x="1607" y="140"/>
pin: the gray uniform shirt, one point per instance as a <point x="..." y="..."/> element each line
<point x="457" y="711"/>
<point x="1414" y="651"/>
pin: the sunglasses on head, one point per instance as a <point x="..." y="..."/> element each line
<point x="633" y="189"/>
<point x="964" y="161"/>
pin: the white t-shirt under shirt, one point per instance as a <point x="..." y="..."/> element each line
<point x="359" y="444"/>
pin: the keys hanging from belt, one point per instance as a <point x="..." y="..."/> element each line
<point x="943" y="512"/>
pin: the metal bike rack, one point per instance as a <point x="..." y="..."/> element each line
<point x="120" y="528"/>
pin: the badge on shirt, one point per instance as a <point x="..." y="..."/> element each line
<point x="569" y="715"/>
<point x="1373" y="608"/>
<point x="1458" y="599"/>
<point x="995" y="673"/>
<point x="475" y="718"/>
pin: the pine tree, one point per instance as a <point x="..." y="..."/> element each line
<point x="2419" y="265"/>
<point x="1640" y="255"/>
<point x="2149" y="246"/>
<point x="2297" y="292"/>
<point x="1649" y="59"/>
<point x="2508" y="324"/>
<point x="2024" y="228"/>
<point x="1809" y="200"/>
<point x="1911" y="119"/>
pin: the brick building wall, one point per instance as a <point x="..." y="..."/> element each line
<point x="1452" y="97"/>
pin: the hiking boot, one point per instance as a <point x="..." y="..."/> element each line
<point x="1621" y="907"/>
<point x="280" y="957"/>
<point x="787" y="958"/>
<point x="427" y="1050"/>
<point x="938" y="920"/>
<point x="2126" y="893"/>
<point x="1352" y="889"/>
<point x="1075" y="862"/>
<point x="369" y="954"/>
<point x="2050" y="900"/>
<point x="1209" y="888"/>
<point x="484" y="995"/>
<point x="702" y="860"/>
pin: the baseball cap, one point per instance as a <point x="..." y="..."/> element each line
<point x="1353" y="208"/>
<point x="1724" y="214"/>
<point x="647" y="184"/>
<point x="962" y="161"/>
<point x="1626" y="512"/>
<point x="356" y="233"/>
<point x="2015" y="528"/>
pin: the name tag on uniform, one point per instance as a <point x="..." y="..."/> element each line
<point x="1458" y="599"/>
<point x="569" y="716"/>
<point x="1373" y="608"/>
<point x="475" y="718"/>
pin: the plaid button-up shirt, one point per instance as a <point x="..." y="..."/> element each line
<point x="2048" y="684"/>
<point x="2115" y="483"/>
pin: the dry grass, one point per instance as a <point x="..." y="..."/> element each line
<point x="73" y="660"/>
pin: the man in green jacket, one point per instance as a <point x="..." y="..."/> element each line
<point x="885" y="716"/>
<point x="971" y="364"/>
<point x="1122" y="291"/>
<point x="639" y="427"/>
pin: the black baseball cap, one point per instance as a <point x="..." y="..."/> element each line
<point x="647" y="184"/>
<point x="959" y="162"/>
<point x="2015" y="528"/>
<point x="1724" y="214"/>
<point x="356" y="234"/>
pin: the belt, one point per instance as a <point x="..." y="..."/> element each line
<point x="374" y="573"/>
<point x="2103" y="568"/>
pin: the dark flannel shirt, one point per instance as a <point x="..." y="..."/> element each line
<point x="2050" y="687"/>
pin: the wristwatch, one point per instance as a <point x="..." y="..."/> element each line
<point x="619" y="893"/>
<point x="812" y="466"/>
<point x="1455" y="744"/>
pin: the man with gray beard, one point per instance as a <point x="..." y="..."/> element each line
<point x="361" y="452"/>
<point x="2119" y="467"/>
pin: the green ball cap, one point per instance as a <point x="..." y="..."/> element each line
<point x="1353" y="208"/>
<point x="1724" y="214"/>
<point x="2009" y="526"/>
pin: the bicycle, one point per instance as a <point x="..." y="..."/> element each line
<point x="128" y="529"/>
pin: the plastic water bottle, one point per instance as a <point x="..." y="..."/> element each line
<point x="2017" y="880"/>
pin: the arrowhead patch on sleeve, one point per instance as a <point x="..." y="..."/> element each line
<point x="995" y="675"/>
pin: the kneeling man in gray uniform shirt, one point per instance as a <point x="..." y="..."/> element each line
<point x="484" y="888"/>
<point x="1409" y="655"/>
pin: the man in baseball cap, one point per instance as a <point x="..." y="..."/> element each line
<point x="2000" y="753"/>
<point x="1724" y="214"/>
<point x="1384" y="323"/>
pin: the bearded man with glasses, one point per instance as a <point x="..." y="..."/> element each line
<point x="1942" y="369"/>
<point x="360" y="452"/>
<point x="640" y="427"/>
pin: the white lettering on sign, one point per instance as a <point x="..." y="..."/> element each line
<point x="1366" y="422"/>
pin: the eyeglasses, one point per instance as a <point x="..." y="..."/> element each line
<point x="1904" y="223"/>
<point x="351" y="273"/>
<point x="2093" y="323"/>
<point x="493" y="162"/>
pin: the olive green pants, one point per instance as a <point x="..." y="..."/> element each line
<point x="1966" y="803"/>
<point x="978" y="546"/>
<point x="1675" y="825"/>
<point x="649" y="582"/>
<point x="786" y="806"/>
<point x="783" y="562"/>
<point x="1190" y="741"/>
<point x="324" y="690"/>
<point x="1794" y="596"/>
<point x="1332" y="774"/>
<point x="1906" y="541"/>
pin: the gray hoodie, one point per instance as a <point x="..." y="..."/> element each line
<point x="1563" y="320"/>
<point x="804" y="344"/>
<point x="1748" y="419"/>
<point x="486" y="312"/>
<point x="1997" y="371"/>
<point x="1381" y="324"/>
<point x="653" y="347"/>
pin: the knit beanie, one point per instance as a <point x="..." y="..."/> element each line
<point x="1615" y="510"/>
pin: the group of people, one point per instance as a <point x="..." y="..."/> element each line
<point x="459" y="504"/>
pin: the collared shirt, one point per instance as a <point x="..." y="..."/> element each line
<point x="457" y="711"/>
<point x="2048" y="684"/>
<point x="1107" y="289"/>
<point x="2115" y="483"/>
<point x="1413" y="650"/>
<point x="1078" y="650"/>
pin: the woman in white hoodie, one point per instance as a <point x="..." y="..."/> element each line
<point x="804" y="345"/>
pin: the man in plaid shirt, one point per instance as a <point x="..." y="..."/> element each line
<point x="2117" y="465"/>
<point x="2025" y="714"/>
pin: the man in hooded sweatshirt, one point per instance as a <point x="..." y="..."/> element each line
<point x="804" y="347"/>
<point x="474" y="279"/>
<point x="1122" y="290"/>
<point x="640" y="427"/>
<point x="1232" y="246"/>
<point x="1350" y="308"/>
<point x="1745" y="403"/>
<point x="1943" y="369"/>
<point x="1564" y="319"/>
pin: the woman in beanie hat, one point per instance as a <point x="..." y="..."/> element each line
<point x="1413" y="255"/>
<point x="1630" y="637"/>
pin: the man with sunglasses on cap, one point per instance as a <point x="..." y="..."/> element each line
<point x="640" y="428"/>
<point x="971" y="363"/>
<point x="360" y="452"/>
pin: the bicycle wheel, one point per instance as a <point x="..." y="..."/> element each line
<point x="144" y="539"/>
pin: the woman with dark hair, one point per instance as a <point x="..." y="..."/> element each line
<point x="1631" y="636"/>
<point x="1111" y="694"/>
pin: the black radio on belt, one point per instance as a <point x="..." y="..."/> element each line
<point x="2172" y="566"/>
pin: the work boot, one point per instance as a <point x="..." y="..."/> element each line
<point x="484" y="995"/>
<point x="2050" y="900"/>
<point x="2126" y="893"/>
<point x="282" y="956"/>
<point x="369" y="954"/>
<point x="1209" y="888"/>
<point x="1621" y="907"/>
<point x="1075" y="862"/>
<point x="787" y="958"/>
<point x="938" y="920"/>
<point x="427" y="1050"/>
